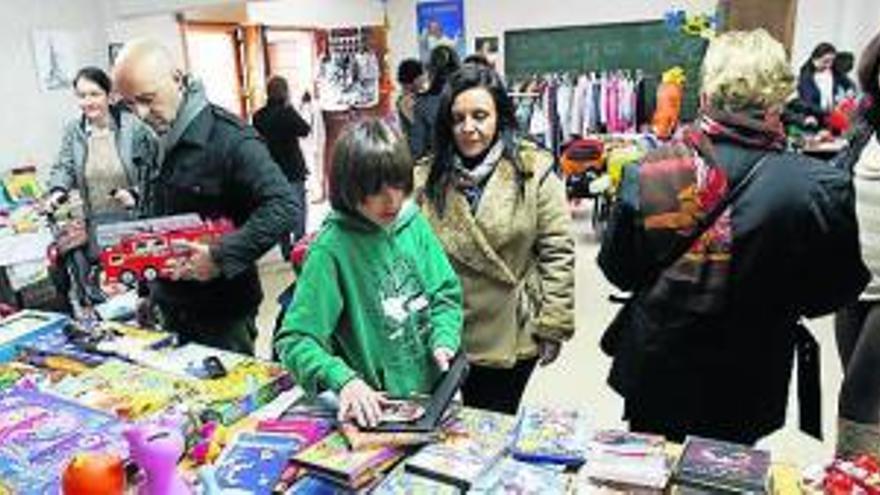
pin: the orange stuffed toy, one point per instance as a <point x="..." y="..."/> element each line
<point x="669" y="96"/>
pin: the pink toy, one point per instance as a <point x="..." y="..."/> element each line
<point x="156" y="448"/>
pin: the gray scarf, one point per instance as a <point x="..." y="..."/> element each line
<point x="478" y="175"/>
<point x="194" y="101"/>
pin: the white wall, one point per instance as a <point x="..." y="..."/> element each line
<point x="316" y="13"/>
<point x="32" y="120"/>
<point x="848" y="24"/>
<point x="128" y="8"/>
<point x="161" y="27"/>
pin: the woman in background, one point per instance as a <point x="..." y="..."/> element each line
<point x="443" y="62"/>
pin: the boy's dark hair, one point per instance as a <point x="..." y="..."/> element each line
<point x="868" y="70"/>
<point x="277" y="90"/>
<point x="95" y="75"/>
<point x="368" y="156"/>
<point x="409" y="70"/>
<point x="844" y="63"/>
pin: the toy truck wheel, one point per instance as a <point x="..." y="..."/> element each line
<point x="127" y="277"/>
<point x="150" y="273"/>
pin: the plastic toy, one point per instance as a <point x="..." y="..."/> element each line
<point x="94" y="474"/>
<point x="669" y="97"/>
<point x="857" y="476"/>
<point x="156" y="447"/>
<point x="145" y="254"/>
<point x="212" y="438"/>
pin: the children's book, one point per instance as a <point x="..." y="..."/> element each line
<point x="315" y="485"/>
<point x="253" y="462"/>
<point x="332" y="458"/>
<point x="723" y="466"/>
<point x="636" y="459"/>
<point x="359" y="439"/>
<point x="473" y="442"/>
<point x="555" y="436"/>
<point x="306" y="431"/>
<point x="512" y="476"/>
<point x="124" y="389"/>
<point x="401" y="482"/>
<point x="40" y="433"/>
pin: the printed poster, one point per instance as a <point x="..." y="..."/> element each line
<point x="440" y="22"/>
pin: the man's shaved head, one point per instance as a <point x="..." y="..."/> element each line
<point x="150" y="82"/>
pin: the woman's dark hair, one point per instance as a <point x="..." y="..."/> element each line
<point x="368" y="156"/>
<point x="477" y="58"/>
<point x="96" y="76"/>
<point x="409" y="70"/>
<point x="277" y="91"/>
<point x="820" y="51"/>
<point x="441" y="64"/>
<point x="868" y="72"/>
<point x="470" y="76"/>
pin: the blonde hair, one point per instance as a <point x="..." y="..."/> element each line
<point x="745" y="70"/>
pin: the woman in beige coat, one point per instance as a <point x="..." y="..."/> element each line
<point x="501" y="214"/>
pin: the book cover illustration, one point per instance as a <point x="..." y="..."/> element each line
<point x="127" y="390"/>
<point x="314" y="485"/>
<point x="332" y="457"/>
<point x="631" y="458"/>
<point x="359" y="439"/>
<point x="39" y="433"/>
<point x="401" y="482"/>
<point x="324" y="405"/>
<point x="552" y="436"/>
<point x="521" y="478"/>
<point x="188" y="360"/>
<point x="253" y="462"/>
<point x="725" y="465"/>
<point x="305" y="431"/>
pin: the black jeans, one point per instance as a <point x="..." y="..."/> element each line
<point x="857" y="327"/>
<point x="299" y="227"/>
<point x="497" y="389"/>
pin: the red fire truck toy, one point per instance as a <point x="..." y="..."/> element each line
<point x="140" y="250"/>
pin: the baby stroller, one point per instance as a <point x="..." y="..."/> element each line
<point x="70" y="265"/>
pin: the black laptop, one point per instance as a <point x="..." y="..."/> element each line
<point x="425" y="414"/>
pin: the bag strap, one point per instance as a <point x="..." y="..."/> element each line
<point x="684" y="243"/>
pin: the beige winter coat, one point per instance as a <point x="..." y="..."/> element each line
<point x="515" y="259"/>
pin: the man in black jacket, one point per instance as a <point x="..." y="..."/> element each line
<point x="212" y="164"/>
<point x="282" y="127"/>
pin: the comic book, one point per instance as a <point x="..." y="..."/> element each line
<point x="253" y="462"/>
<point x="473" y="442"/>
<point x="306" y="431"/>
<point x="555" y="436"/>
<point x="333" y="459"/>
<point x="124" y="389"/>
<point x="637" y="459"/>
<point x="40" y="433"/>
<point x="401" y="482"/>
<point x="512" y="476"/>
<point x="724" y="466"/>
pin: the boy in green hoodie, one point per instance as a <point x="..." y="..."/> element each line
<point x="377" y="310"/>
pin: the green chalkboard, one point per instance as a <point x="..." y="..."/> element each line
<point x="649" y="46"/>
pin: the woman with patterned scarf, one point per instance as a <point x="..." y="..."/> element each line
<point x="705" y="346"/>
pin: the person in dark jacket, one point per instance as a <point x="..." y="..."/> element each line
<point x="411" y="77"/>
<point x="282" y="127"/>
<point x="706" y="344"/>
<point x="443" y="62"/>
<point x="857" y="325"/>
<point x="820" y="87"/>
<point x="214" y="165"/>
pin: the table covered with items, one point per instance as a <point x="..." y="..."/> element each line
<point x="108" y="408"/>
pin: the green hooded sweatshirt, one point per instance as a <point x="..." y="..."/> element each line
<point x="372" y="303"/>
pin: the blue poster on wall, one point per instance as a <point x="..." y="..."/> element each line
<point x="440" y="22"/>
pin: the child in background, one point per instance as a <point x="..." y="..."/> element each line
<point x="377" y="311"/>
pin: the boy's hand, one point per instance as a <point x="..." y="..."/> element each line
<point x="442" y="356"/>
<point x="358" y="401"/>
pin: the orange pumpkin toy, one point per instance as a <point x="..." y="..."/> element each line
<point x="94" y="474"/>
